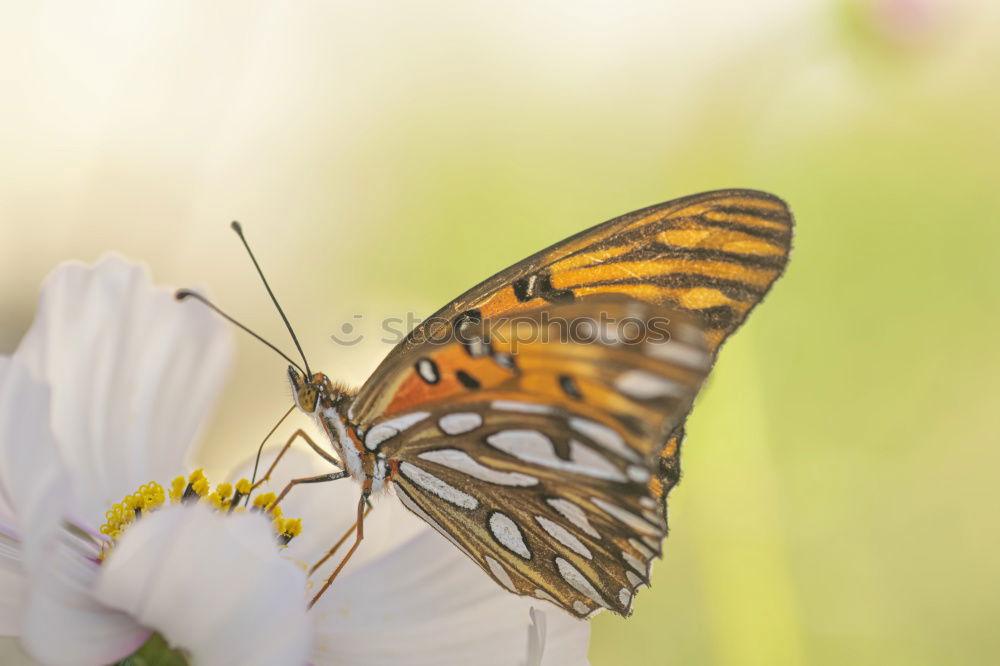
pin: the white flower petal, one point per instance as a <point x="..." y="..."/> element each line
<point x="133" y="374"/>
<point x="408" y="582"/>
<point x="63" y="624"/>
<point x="6" y="509"/>
<point x="11" y="583"/>
<point x="536" y="638"/>
<point x="55" y="598"/>
<point x="32" y="480"/>
<point x="434" y="602"/>
<point x="566" y="639"/>
<point x="211" y="584"/>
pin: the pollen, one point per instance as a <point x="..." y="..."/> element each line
<point x="193" y="489"/>
<point x="264" y="501"/>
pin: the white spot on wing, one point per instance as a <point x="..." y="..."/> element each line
<point x="504" y="360"/>
<point x="604" y="436"/>
<point x="508" y="534"/>
<point x="674" y="352"/>
<point x="635" y="563"/>
<point x="638" y="473"/>
<point x="644" y="385"/>
<point x="461" y="461"/>
<point x="641" y="547"/>
<point x="581" y="607"/>
<point x="437" y="487"/>
<point x="516" y="406"/>
<point x="406" y="420"/>
<point x="635" y="310"/>
<point x="478" y="348"/>
<point x="412" y="506"/>
<point x="585" y="460"/>
<point x="391" y="428"/>
<point x="624" y="515"/>
<point x="634" y="579"/>
<point x="689" y="334"/>
<point x="647" y="502"/>
<point x="501" y="574"/>
<point x="460" y="422"/>
<point x="379" y="434"/>
<point x="564" y="536"/>
<point x="653" y="517"/>
<point x="427" y="371"/>
<point x="578" y="581"/>
<point x="532" y="446"/>
<point x="611" y="334"/>
<point x="575" y="514"/>
<point x="624" y="596"/>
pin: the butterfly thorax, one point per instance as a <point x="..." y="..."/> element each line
<point x="328" y="404"/>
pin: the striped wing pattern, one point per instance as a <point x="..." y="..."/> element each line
<point x="540" y="459"/>
<point x="715" y="254"/>
<point x="548" y="464"/>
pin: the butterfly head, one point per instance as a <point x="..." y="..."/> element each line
<point x="309" y="392"/>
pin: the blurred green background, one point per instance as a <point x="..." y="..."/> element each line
<point x="839" y="498"/>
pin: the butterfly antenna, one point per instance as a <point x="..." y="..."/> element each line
<point x="239" y="232"/>
<point x="182" y="294"/>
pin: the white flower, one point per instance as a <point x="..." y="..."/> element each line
<point x="104" y="394"/>
<point x="408" y="597"/>
<point x="251" y="612"/>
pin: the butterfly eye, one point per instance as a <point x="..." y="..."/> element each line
<point x="306" y="397"/>
<point x="306" y="394"/>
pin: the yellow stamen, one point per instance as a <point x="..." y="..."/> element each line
<point x="293" y="527"/>
<point x="264" y="500"/>
<point x="200" y="486"/>
<point x="177" y="488"/>
<point x="151" y="496"/>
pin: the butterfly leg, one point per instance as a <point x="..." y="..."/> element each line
<point x="315" y="447"/>
<point x="357" y="542"/>
<point x="340" y="542"/>
<point x="319" y="478"/>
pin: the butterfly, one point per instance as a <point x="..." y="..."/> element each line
<point x="547" y="457"/>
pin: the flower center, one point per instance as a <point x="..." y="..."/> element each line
<point x="191" y="490"/>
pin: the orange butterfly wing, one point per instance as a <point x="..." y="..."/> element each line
<point x="714" y="255"/>
<point x="538" y="457"/>
<point x="711" y="256"/>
